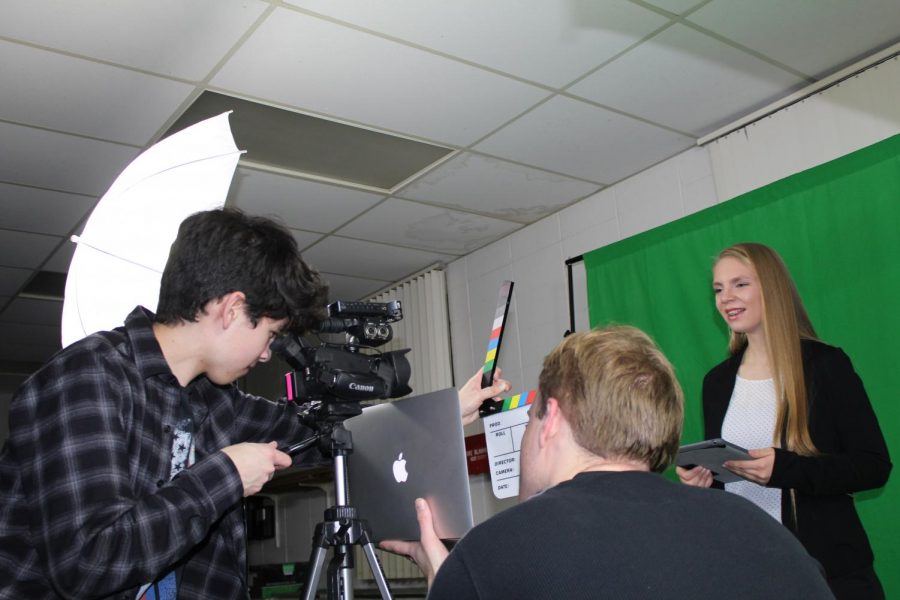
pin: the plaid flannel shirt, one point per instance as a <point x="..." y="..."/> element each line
<point x="87" y="509"/>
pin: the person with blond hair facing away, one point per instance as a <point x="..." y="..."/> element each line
<point x="802" y="409"/>
<point x="596" y="518"/>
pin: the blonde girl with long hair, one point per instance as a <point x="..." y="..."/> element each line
<point x="800" y="407"/>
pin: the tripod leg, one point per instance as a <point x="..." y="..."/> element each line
<point x="377" y="571"/>
<point x="316" y="559"/>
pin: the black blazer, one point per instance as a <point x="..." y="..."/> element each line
<point x="853" y="456"/>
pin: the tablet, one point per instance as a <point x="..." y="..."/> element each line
<point x="711" y="454"/>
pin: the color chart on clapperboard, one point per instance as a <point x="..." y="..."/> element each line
<point x="496" y="337"/>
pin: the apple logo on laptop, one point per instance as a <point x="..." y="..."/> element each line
<point x="400" y="473"/>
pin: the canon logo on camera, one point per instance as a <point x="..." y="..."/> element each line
<point x="362" y="388"/>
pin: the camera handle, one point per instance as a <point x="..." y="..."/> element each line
<point x="341" y="530"/>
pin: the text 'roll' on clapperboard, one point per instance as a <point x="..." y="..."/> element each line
<point x="505" y="419"/>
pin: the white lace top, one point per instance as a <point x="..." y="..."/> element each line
<point x="749" y="423"/>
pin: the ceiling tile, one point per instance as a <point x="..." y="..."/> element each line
<point x="10" y="382"/>
<point x="811" y="36"/>
<point x="305" y="238"/>
<point x="32" y="334"/>
<point x="496" y="187"/>
<point x="62" y="162"/>
<point x="678" y="7"/>
<point x="551" y="42"/>
<point x="371" y="80"/>
<point x="357" y="258"/>
<point x="42" y="211"/>
<point x="298" y="203"/>
<point x="61" y="259"/>
<point x="24" y="353"/>
<point x="101" y="101"/>
<point x="427" y="227"/>
<point x="26" y="250"/>
<point x="582" y="140"/>
<point x="11" y="279"/>
<point x="31" y="311"/>
<point x="707" y="83"/>
<point x="170" y="37"/>
<point x="342" y="287"/>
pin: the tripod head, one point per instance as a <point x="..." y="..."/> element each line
<point x="327" y="423"/>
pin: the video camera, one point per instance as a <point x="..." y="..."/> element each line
<point x="335" y="378"/>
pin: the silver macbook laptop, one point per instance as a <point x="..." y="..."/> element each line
<point x="407" y="449"/>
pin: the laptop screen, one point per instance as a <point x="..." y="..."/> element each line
<point x="407" y="449"/>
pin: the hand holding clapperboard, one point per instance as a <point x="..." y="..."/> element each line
<point x="504" y="420"/>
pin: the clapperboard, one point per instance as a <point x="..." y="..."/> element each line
<point x="505" y="419"/>
<point x="503" y="431"/>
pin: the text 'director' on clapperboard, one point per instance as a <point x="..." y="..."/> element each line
<point x="503" y="431"/>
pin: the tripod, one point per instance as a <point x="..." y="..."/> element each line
<point x="341" y="529"/>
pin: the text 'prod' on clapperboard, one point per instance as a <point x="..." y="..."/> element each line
<point x="503" y="432"/>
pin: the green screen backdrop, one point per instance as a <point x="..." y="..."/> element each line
<point x="838" y="228"/>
